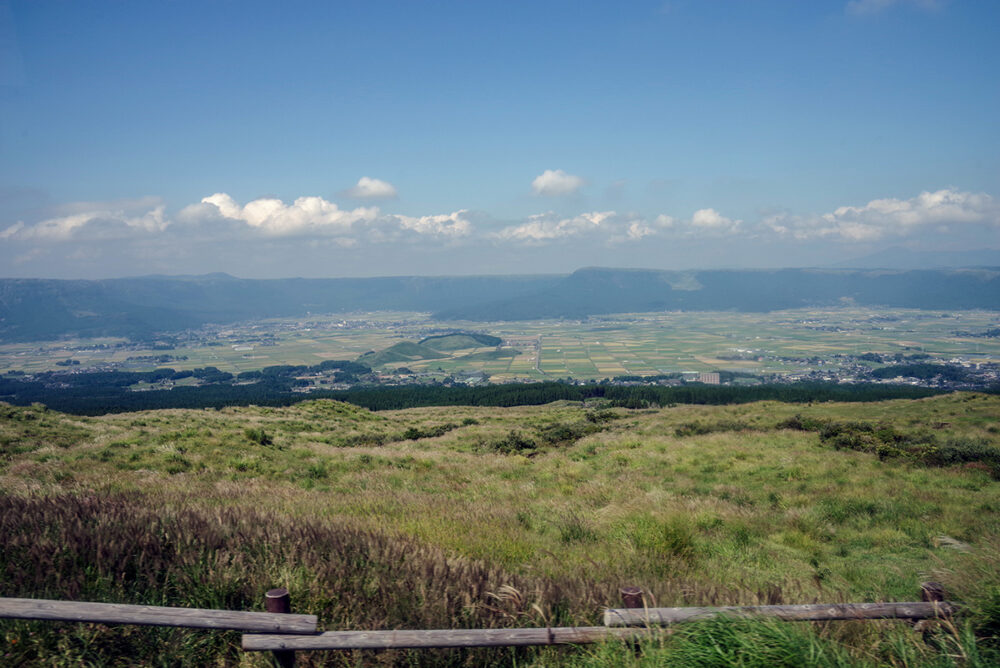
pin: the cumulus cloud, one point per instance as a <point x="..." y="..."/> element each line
<point x="891" y="217"/>
<point x="369" y="188"/>
<point x="637" y="230"/>
<point x="712" y="220"/>
<point x="104" y="220"/>
<point x="703" y="223"/>
<point x="555" y="182"/>
<point x="451" y="225"/>
<point x="219" y="217"/>
<point x="616" y="227"/>
<point x="316" y="217"/>
<point x="548" y="226"/>
<point x="306" y="215"/>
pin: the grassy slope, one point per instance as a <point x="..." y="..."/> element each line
<point x="452" y="342"/>
<point x="744" y="513"/>
<point x="404" y="351"/>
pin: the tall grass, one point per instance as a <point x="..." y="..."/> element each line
<point x="139" y="549"/>
<point x="485" y="514"/>
<point x="136" y="549"/>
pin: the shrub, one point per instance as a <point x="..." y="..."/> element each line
<point x="566" y="432"/>
<point x="257" y="435"/>
<point x="965" y="451"/>
<point x="602" y="415"/>
<point x="701" y="428"/>
<point x="416" y="433"/>
<point x="512" y="442"/>
<point x="800" y="423"/>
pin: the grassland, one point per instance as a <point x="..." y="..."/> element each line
<point x="628" y="344"/>
<point x="440" y="517"/>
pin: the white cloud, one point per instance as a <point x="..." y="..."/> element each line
<point x="13" y="231"/>
<point x="219" y="217"/>
<point x="443" y="225"/>
<point x="891" y="217"/>
<point x="637" y="230"/>
<point x="104" y="220"/>
<point x="547" y="226"/>
<point x="306" y="215"/>
<point x="712" y="220"/>
<point x="554" y="182"/>
<point x="618" y="227"/>
<point x="703" y="223"/>
<point x="316" y="217"/>
<point x="369" y="188"/>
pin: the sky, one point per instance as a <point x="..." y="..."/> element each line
<point x="328" y="139"/>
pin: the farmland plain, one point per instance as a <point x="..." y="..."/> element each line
<point x="643" y="344"/>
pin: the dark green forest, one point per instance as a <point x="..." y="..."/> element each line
<point x="109" y="392"/>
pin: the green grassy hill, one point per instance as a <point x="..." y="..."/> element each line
<point x="487" y="517"/>
<point x="404" y="351"/>
<point x="460" y="341"/>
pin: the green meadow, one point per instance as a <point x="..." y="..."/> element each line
<point x="457" y="517"/>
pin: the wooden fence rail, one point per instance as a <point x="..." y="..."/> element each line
<point x="620" y="623"/>
<point x="283" y="633"/>
<point x="150" y="615"/>
<point x="791" y="613"/>
<point x="436" y="638"/>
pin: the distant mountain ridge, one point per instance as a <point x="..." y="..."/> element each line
<point x="39" y="309"/>
<point x="898" y="257"/>
<point x="595" y="291"/>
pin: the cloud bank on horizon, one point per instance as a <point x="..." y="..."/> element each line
<point x="221" y="217"/>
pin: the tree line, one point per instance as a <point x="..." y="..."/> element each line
<point x="109" y="392"/>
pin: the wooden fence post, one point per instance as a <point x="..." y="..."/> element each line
<point x="632" y="597"/>
<point x="931" y="592"/>
<point x="279" y="600"/>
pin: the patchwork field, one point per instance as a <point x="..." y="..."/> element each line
<point x="629" y="344"/>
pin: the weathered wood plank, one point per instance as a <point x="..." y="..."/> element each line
<point x="115" y="613"/>
<point x="811" y="612"/>
<point x="437" y="638"/>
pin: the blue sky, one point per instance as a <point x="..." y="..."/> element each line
<point x="378" y="138"/>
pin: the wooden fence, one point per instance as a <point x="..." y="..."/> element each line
<point x="283" y="633"/>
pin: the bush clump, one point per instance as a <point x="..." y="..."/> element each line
<point x="702" y="428"/>
<point x="887" y="442"/>
<point x="800" y="423"/>
<point x="258" y="435"/>
<point x="511" y="443"/>
<point x="565" y="433"/>
<point x="417" y="433"/>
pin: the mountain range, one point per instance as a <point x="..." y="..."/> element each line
<point x="138" y="308"/>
